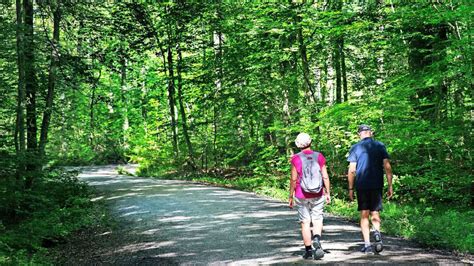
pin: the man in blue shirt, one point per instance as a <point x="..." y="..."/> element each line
<point x="367" y="160"/>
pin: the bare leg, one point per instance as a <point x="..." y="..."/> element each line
<point x="364" y="225"/>
<point x="317" y="230"/>
<point x="306" y="233"/>
<point x="318" y="227"/>
<point x="375" y="218"/>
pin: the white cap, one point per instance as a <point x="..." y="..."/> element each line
<point x="303" y="140"/>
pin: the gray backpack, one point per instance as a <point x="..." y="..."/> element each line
<point x="311" y="179"/>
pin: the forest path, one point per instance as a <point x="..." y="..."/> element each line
<point x="176" y="222"/>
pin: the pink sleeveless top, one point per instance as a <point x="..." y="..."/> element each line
<point x="296" y="162"/>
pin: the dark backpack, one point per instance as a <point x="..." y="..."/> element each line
<point x="311" y="179"/>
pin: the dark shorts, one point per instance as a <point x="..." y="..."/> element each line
<point x="369" y="199"/>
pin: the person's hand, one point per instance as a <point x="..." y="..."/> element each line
<point x="351" y="194"/>
<point x="328" y="198"/>
<point x="290" y="202"/>
<point x="390" y="192"/>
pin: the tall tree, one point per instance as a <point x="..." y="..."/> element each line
<point x="30" y="91"/>
<point x="427" y="50"/>
<point x="171" y="90"/>
<point x="124" y="99"/>
<point x="343" y="69"/>
<point x="218" y="41"/>
<point x="337" y="68"/>
<point x="304" y="57"/>
<point x="338" y="54"/>
<point x="20" y="120"/>
<point x="184" y="122"/>
<point x="288" y="72"/>
<point x="56" y="6"/>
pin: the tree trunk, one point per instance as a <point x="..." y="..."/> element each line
<point x="30" y="78"/>
<point x="286" y="121"/>
<point x="144" y="101"/>
<point x="343" y="69"/>
<point x="218" y="40"/>
<point x="304" y="61"/>
<point x="325" y="85"/>
<point x="123" y="96"/>
<point x="92" y="104"/>
<point x="337" y="7"/>
<point x="289" y="95"/>
<point x="424" y="52"/>
<point x="205" y="156"/>
<point x="20" y="119"/>
<point x="337" y="67"/>
<point x="51" y="79"/>
<point x="171" y="99"/>
<point x="91" y="117"/>
<point x="30" y="90"/>
<point x="442" y="93"/>
<point x="330" y="89"/>
<point x="268" y="137"/>
<point x="181" y="108"/>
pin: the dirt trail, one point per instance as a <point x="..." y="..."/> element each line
<point x="175" y="222"/>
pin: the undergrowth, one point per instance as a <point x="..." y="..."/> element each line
<point x="57" y="205"/>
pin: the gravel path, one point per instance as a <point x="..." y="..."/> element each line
<point x="174" y="222"/>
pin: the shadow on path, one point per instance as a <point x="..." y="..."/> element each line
<point x="175" y="222"/>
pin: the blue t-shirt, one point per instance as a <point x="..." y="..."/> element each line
<point x="369" y="155"/>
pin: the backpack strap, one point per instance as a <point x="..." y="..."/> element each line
<point x="301" y="154"/>
<point x="316" y="154"/>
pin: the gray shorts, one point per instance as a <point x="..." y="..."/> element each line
<point x="310" y="209"/>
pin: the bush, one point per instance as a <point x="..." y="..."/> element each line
<point x="447" y="228"/>
<point x="56" y="205"/>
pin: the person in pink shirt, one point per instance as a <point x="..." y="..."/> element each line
<point x="310" y="205"/>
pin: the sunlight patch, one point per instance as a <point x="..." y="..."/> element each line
<point x="123" y="196"/>
<point x="144" y="246"/>
<point x="199" y="188"/>
<point x="150" y="232"/>
<point x="129" y="208"/>
<point x="230" y="216"/>
<point x="269" y="213"/>
<point x="175" y="219"/>
<point x="97" y="198"/>
<point x="158" y="195"/>
<point x="134" y="212"/>
<point x="169" y="255"/>
<point x="339" y="228"/>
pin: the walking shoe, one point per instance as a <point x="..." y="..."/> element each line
<point x="378" y="241"/>
<point x="309" y="254"/>
<point x="318" y="252"/>
<point x="367" y="250"/>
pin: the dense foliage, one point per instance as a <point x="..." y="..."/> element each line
<point x="44" y="216"/>
<point x="224" y="87"/>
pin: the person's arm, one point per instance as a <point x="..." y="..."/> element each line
<point x="327" y="183"/>
<point x="388" y="172"/>
<point x="350" y="178"/>
<point x="293" y="178"/>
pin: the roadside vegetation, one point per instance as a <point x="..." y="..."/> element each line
<point x="44" y="216"/>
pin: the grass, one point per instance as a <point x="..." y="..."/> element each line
<point x="438" y="227"/>
<point x="435" y="227"/>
